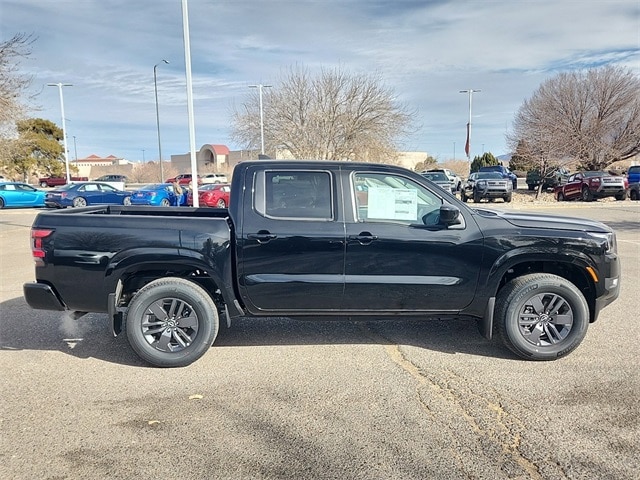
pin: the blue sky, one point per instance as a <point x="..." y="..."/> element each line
<point x="426" y="51"/>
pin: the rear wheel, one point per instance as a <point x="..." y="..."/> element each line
<point x="165" y="202"/>
<point x="587" y="196"/>
<point x="221" y="203"/>
<point x="1" y="202"/>
<point x="171" y="322"/>
<point x="43" y="184"/>
<point x="541" y="316"/>
<point x="79" y="202"/>
<point x="634" y="195"/>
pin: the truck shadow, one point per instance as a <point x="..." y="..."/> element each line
<point x="22" y="328"/>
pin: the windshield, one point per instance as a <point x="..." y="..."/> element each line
<point x="485" y="175"/>
<point x="436" y="176"/>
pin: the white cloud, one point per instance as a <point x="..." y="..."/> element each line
<point x="425" y="50"/>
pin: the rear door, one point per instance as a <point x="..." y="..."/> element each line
<point x="291" y="252"/>
<point x="398" y="258"/>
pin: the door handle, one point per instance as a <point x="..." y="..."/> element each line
<point x="364" y="238"/>
<point x="262" y="237"/>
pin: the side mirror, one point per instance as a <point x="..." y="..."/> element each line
<point x="449" y="215"/>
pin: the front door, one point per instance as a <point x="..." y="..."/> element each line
<point x="398" y="258"/>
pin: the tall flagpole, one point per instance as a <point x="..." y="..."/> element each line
<point x="467" y="145"/>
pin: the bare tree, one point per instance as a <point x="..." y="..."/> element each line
<point x="592" y="117"/>
<point x="13" y="84"/>
<point x="332" y="116"/>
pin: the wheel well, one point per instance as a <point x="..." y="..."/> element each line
<point x="134" y="281"/>
<point x="573" y="273"/>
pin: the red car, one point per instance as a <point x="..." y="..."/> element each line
<point x="58" y="181"/>
<point x="212" y="195"/>
<point x="589" y="185"/>
<point x="183" y="179"/>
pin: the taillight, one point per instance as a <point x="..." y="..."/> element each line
<point x="37" y="251"/>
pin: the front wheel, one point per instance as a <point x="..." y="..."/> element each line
<point x="171" y="322"/>
<point x="621" y="196"/>
<point x="508" y="198"/>
<point x="541" y="316"/>
<point x="126" y="201"/>
<point x="633" y="195"/>
<point x="43" y="184"/>
<point x="560" y="197"/>
<point x="587" y="196"/>
<point x="476" y="197"/>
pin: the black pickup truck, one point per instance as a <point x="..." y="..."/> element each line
<point x="317" y="240"/>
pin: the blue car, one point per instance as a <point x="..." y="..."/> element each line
<point x="86" y="193"/>
<point x="16" y="194"/>
<point x="156" y="194"/>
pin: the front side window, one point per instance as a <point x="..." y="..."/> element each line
<point x="294" y="194"/>
<point x="381" y="197"/>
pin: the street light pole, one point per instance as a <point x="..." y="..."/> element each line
<point x="467" y="146"/>
<point x="155" y="88"/>
<point x="64" y="128"/>
<point x="260" y="87"/>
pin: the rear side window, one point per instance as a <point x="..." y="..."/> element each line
<point x="294" y="194"/>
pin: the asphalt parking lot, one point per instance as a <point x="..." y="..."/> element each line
<point x="289" y="399"/>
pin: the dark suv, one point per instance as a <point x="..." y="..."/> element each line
<point x="502" y="170"/>
<point x="112" y="178"/>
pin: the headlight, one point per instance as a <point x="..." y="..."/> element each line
<point x="482" y="183"/>
<point x="611" y="244"/>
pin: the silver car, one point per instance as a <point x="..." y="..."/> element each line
<point x="440" y="179"/>
<point x="489" y="185"/>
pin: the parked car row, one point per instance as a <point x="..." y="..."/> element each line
<point x="587" y="186"/>
<point x="187" y="178"/>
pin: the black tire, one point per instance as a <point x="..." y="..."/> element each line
<point x="621" y="196"/>
<point x="529" y="328"/>
<point x="508" y="198"/>
<point x="633" y="195"/>
<point x="560" y="197"/>
<point x="586" y="196"/>
<point x="530" y="187"/>
<point x="476" y="197"/>
<point x="171" y="322"/>
<point x="463" y="197"/>
<point x="165" y="202"/>
<point x="221" y="203"/>
<point x="1" y="202"/>
<point x="79" y="202"/>
<point x="126" y="201"/>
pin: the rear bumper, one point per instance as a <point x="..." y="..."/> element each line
<point x="42" y="297"/>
